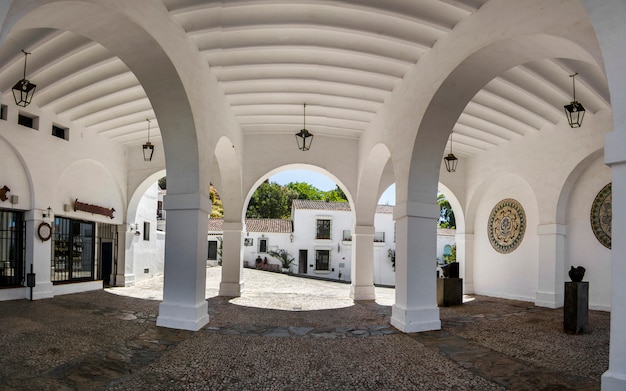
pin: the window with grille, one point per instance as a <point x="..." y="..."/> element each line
<point x="323" y="229"/>
<point x="379" y="237"/>
<point x="12" y="248"/>
<point x="322" y="260"/>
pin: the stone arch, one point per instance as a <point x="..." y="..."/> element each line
<point x="136" y="195"/>
<point x="14" y="163"/>
<point x="297" y="166"/>
<point x="153" y="67"/>
<point x="90" y="179"/>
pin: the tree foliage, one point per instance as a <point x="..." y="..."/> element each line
<point x="217" y="209"/>
<point x="163" y="183"/>
<point x="273" y="201"/>
<point x="269" y="201"/>
<point x="446" y="215"/>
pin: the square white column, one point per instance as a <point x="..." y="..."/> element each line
<point x="184" y="287"/>
<point x="232" y="260"/>
<point x="362" y="265"/>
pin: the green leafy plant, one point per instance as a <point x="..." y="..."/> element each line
<point x="283" y="256"/>
<point x="449" y="258"/>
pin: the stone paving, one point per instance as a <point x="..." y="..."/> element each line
<point x="289" y="333"/>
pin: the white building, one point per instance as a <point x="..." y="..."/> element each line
<point x="390" y="88"/>
<point x="319" y="237"/>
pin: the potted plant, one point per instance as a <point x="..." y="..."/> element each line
<point x="284" y="257"/>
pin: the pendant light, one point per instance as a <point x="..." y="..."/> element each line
<point x="148" y="148"/>
<point x="304" y="137"/>
<point x="575" y="110"/>
<point x="24" y="90"/>
<point x="451" y="160"/>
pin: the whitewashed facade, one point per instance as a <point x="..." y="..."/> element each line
<point x="315" y="253"/>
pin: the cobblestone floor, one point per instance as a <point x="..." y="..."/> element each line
<point x="289" y="333"/>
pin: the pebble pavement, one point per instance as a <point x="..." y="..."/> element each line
<point x="290" y="333"/>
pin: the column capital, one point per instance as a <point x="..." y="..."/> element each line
<point x="416" y="209"/>
<point x="232" y="226"/>
<point x="552" y="229"/>
<point x="187" y="201"/>
<point x="363" y="230"/>
<point x="615" y="148"/>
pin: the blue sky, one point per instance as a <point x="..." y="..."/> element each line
<point x="324" y="183"/>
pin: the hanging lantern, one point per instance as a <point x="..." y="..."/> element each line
<point x="304" y="137"/>
<point x="148" y="148"/>
<point x="24" y="90"/>
<point x="575" y="110"/>
<point x="450" y="160"/>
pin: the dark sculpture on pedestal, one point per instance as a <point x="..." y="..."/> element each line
<point x="576" y="274"/>
<point x="451" y="270"/>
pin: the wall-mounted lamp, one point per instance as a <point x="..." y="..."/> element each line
<point x="24" y="90"/>
<point x="291" y="237"/>
<point x="451" y="160"/>
<point x="47" y="213"/>
<point x="148" y="148"/>
<point x="304" y="137"/>
<point x="575" y="110"/>
<point x="135" y="228"/>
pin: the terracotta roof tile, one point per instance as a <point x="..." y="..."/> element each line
<point x="321" y="205"/>
<point x="256" y="225"/>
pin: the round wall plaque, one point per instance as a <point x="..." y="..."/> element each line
<point x="507" y="224"/>
<point x="44" y="231"/>
<point x="602" y="215"/>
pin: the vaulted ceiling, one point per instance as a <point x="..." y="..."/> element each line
<point x="342" y="58"/>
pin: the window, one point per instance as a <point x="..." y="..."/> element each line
<point x="379" y="237"/>
<point x="262" y="245"/>
<point x="322" y="260"/>
<point x="3" y="112"/>
<point x="323" y="229"/>
<point x="60" y="132"/>
<point x="25" y="120"/>
<point x="347" y="235"/>
<point x="212" y="250"/>
<point x="12" y="248"/>
<point x="146" y="230"/>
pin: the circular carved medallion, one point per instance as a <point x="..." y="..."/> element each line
<point x="507" y="224"/>
<point x="602" y="215"/>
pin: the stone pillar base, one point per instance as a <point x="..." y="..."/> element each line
<point x="179" y="316"/>
<point x="231" y="289"/>
<point x="449" y="291"/>
<point x="576" y="310"/>
<point x="612" y="381"/>
<point x="415" y="320"/>
<point x="362" y="292"/>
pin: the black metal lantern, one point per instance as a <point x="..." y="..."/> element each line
<point x="304" y="137"/>
<point x="575" y="110"/>
<point x="24" y="90"/>
<point x="148" y="148"/>
<point x="450" y="160"/>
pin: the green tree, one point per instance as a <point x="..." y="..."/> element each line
<point x="305" y="191"/>
<point x="446" y="215"/>
<point x="269" y="201"/>
<point x="336" y="195"/>
<point x="163" y="183"/>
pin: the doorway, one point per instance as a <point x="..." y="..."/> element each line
<point x="106" y="256"/>
<point x="302" y="261"/>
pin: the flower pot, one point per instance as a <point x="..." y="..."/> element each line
<point x="285" y="270"/>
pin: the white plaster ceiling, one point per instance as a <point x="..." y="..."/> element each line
<point x="343" y="58"/>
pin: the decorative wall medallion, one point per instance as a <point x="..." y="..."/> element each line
<point x="507" y="224"/>
<point x="602" y="215"/>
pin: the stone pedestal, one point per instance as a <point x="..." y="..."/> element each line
<point x="576" y="309"/>
<point x="449" y="291"/>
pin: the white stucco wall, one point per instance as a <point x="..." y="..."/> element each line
<point x="583" y="249"/>
<point x="147" y="254"/>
